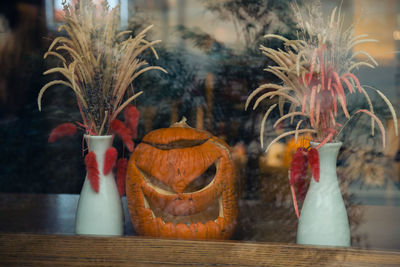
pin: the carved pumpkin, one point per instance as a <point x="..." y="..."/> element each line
<point x="181" y="184"/>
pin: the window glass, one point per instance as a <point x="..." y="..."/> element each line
<point x="211" y="50"/>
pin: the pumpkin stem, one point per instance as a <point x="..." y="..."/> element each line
<point x="181" y="124"/>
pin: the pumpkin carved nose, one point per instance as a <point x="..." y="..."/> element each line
<point x="179" y="186"/>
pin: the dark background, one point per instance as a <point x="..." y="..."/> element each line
<point x="191" y="55"/>
<point x="29" y="164"/>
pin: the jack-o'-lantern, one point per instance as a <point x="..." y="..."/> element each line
<point x="181" y="184"/>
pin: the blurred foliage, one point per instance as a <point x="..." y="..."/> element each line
<point x="255" y="18"/>
<point x="36" y="166"/>
<point x="238" y="69"/>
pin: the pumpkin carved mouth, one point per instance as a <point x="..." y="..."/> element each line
<point x="180" y="208"/>
<point x="212" y="213"/>
<point x="178" y="212"/>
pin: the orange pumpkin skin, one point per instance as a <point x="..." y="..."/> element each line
<point x="174" y="158"/>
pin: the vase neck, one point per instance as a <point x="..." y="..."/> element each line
<point x="99" y="143"/>
<point x="327" y="158"/>
<point x="328" y="148"/>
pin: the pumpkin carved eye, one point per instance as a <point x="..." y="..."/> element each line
<point x="157" y="185"/>
<point x="201" y="182"/>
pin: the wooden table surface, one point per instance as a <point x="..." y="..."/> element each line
<point x="38" y="230"/>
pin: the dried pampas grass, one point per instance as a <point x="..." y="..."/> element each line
<point x="315" y="72"/>
<point x="98" y="63"/>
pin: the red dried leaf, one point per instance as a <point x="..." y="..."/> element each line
<point x="62" y="130"/>
<point x="329" y="83"/>
<point x="334" y="102"/>
<point x="314" y="57"/>
<point x="312" y="104"/>
<point x="341" y="96"/>
<point x="327" y="139"/>
<point x="296" y="208"/>
<point x="344" y="79"/>
<point x="318" y="112"/>
<point x="298" y="171"/>
<point x="131" y="115"/>
<point x="109" y="160"/>
<point x="119" y="128"/>
<point x="127" y="139"/>
<point x="339" y="84"/>
<point x="92" y="170"/>
<point x="308" y="78"/>
<point x="355" y="80"/>
<point x="322" y="70"/>
<point x="313" y="159"/>
<point x="298" y="166"/>
<point x="301" y="188"/>
<point x="122" y="165"/>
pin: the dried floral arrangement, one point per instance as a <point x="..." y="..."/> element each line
<point x="99" y="63"/>
<point x="316" y="70"/>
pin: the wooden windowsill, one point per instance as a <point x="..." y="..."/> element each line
<point x="61" y="250"/>
<point x="38" y="230"/>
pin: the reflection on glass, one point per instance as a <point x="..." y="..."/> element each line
<point x="54" y="11"/>
<point x="211" y="51"/>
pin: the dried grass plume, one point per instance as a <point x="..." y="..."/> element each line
<point x="316" y="71"/>
<point x="98" y="62"/>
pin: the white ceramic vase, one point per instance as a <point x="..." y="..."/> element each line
<point x="323" y="219"/>
<point x="100" y="213"/>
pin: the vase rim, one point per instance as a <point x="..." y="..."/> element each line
<point x="97" y="136"/>
<point x="331" y="144"/>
